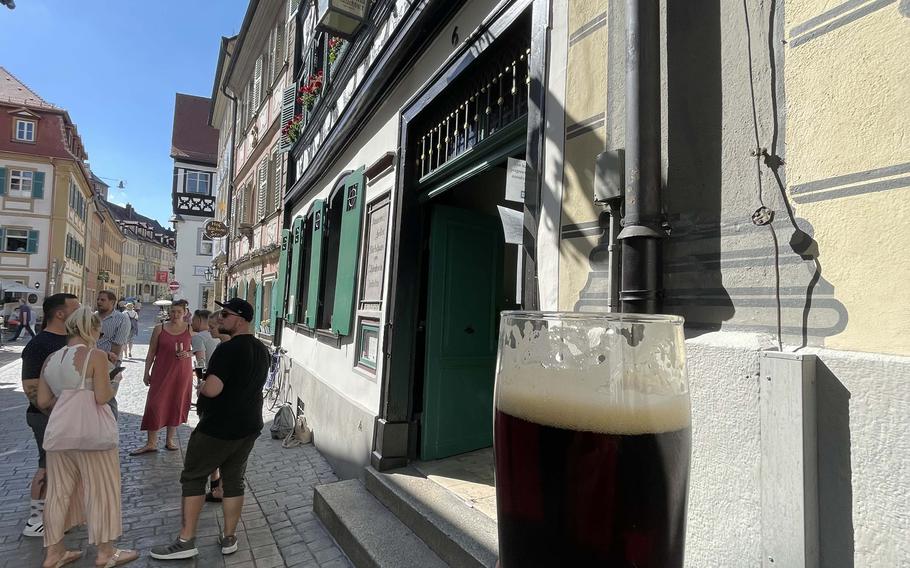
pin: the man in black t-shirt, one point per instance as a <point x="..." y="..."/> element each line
<point x="57" y="308"/>
<point x="230" y="401"/>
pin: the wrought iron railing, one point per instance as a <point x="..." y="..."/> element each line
<point x="499" y="99"/>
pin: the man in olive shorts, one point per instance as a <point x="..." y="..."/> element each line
<point x="230" y="401"/>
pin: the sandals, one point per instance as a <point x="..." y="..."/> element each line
<point x="172" y="446"/>
<point x="143" y="450"/>
<point x="210" y="496"/>
<point x="119" y="558"/>
<point x="68" y="557"/>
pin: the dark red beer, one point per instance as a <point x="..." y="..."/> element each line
<point x="575" y="498"/>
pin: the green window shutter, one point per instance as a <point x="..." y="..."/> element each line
<point x="288" y="103"/>
<point x="244" y="288"/>
<point x="32" y="246"/>
<point x="38" y="186"/>
<point x="281" y="281"/>
<point x="2" y="181"/>
<point x="312" y="305"/>
<point x="348" y="252"/>
<point x="295" y="257"/>
<point x="257" y="313"/>
<point x="2" y="239"/>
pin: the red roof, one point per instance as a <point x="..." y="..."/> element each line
<point x="193" y="139"/>
<point x="14" y="91"/>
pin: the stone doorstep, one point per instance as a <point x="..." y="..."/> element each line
<point x="460" y="534"/>
<point x="369" y="533"/>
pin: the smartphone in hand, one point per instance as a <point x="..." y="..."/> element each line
<point x="116" y="371"/>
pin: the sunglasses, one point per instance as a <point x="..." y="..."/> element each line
<point x="225" y="313"/>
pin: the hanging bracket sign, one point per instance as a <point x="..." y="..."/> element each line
<point x="215" y="229"/>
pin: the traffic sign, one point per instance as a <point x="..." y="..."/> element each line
<point x="173" y="286"/>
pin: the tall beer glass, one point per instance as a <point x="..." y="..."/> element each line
<point x="592" y="440"/>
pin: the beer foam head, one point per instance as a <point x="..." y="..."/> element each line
<point x="609" y="373"/>
<point x="569" y="399"/>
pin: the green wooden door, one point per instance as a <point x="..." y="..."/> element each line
<point x="463" y="299"/>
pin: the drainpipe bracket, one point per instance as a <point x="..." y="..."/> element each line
<point x="640" y="231"/>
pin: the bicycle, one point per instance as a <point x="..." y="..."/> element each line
<point x="276" y="380"/>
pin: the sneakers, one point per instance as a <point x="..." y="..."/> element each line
<point x="176" y="550"/>
<point x="34" y="526"/>
<point x="228" y="544"/>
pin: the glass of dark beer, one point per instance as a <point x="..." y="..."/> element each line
<point x="592" y="440"/>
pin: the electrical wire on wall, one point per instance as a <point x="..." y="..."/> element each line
<point x="801" y="242"/>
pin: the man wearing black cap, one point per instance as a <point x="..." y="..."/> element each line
<point x="230" y="399"/>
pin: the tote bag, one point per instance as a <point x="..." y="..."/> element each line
<point x="79" y="423"/>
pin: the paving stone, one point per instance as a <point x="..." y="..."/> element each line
<point x="277" y="528"/>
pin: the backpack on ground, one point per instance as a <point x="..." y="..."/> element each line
<point x="284" y="422"/>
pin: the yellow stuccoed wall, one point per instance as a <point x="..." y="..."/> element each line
<point x="847" y="83"/>
<point x="585" y="104"/>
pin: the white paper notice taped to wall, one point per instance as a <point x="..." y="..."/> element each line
<point x="515" y="181"/>
<point x="512" y="223"/>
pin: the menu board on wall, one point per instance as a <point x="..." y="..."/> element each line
<point x="374" y="262"/>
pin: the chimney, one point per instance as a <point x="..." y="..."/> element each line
<point x="129" y="211"/>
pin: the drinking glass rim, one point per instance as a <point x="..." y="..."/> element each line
<point x="613" y="317"/>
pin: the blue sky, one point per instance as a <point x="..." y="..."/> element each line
<point x="115" y="65"/>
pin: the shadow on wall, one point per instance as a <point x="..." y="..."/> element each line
<point x="692" y="196"/>
<point x="835" y="488"/>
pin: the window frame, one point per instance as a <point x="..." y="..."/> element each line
<point x="6" y="237"/>
<point x="20" y="193"/>
<point x="198" y="177"/>
<point x="27" y="122"/>
<point x="203" y="240"/>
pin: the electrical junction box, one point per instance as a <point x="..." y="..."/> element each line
<point x="609" y="176"/>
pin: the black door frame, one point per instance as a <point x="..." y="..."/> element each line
<point x="394" y="438"/>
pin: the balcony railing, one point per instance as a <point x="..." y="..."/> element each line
<point x="194" y="204"/>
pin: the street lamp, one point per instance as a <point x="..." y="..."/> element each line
<point x="208" y="274"/>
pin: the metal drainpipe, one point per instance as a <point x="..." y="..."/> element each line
<point x="227" y="242"/>
<point x="642" y="287"/>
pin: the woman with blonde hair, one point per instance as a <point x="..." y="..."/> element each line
<point x="82" y="485"/>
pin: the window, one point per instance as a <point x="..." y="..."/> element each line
<point x="77" y="201"/>
<point x="197" y="182"/>
<point x="263" y="190"/>
<point x="331" y="247"/>
<point x="325" y="258"/>
<point x="25" y="130"/>
<point x="205" y="244"/>
<point x="278" y="171"/>
<point x="20" y="183"/>
<point x="20" y="240"/>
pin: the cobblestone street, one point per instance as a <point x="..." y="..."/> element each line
<point x="278" y="527"/>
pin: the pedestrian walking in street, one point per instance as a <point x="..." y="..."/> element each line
<point x="56" y="307"/>
<point x="169" y="376"/>
<point x="133" y="315"/>
<point x="231" y="399"/>
<point x="25" y="320"/>
<point x="83" y="481"/>
<point x="115" y="334"/>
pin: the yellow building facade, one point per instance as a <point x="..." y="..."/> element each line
<point x="70" y="229"/>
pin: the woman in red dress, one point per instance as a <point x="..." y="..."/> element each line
<point x="169" y="376"/>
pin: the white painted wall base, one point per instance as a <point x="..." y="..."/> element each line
<point x="863" y="414"/>
<point x="342" y="429"/>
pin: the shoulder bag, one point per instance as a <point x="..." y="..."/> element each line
<point x="78" y="422"/>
